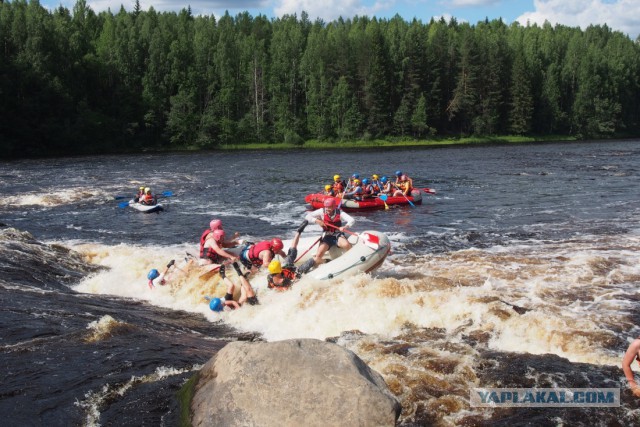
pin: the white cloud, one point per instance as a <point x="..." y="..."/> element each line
<point x="620" y="15"/>
<point x="330" y="10"/>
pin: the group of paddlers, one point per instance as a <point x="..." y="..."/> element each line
<point x="252" y="256"/>
<point x="357" y="189"/>
<point x="145" y="197"/>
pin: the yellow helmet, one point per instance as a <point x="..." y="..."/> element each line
<point x="327" y="187"/>
<point x="275" y="267"/>
<point x="147" y="190"/>
<point x="336" y="177"/>
<point x="375" y="176"/>
<point x="141" y="188"/>
<point x="356" y="181"/>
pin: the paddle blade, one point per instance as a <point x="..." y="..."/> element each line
<point x="383" y="197"/>
<point x="167" y="194"/>
<point x="429" y="190"/>
<point x="123" y="205"/>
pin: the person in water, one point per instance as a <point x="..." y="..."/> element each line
<point x="281" y="278"/>
<point x="633" y="353"/>
<point x="247" y="294"/>
<point x="158" y="279"/>
<point x="334" y="223"/>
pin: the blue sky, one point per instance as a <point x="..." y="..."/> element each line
<point x="621" y="15"/>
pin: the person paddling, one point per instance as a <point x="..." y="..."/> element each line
<point x="333" y="221"/>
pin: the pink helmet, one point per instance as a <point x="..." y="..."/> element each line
<point x="329" y="202"/>
<point x="215" y="224"/>
<point x="218" y="234"/>
<point x="276" y="245"/>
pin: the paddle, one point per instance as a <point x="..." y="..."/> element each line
<point x="383" y="197"/>
<point x="165" y="194"/>
<point x="405" y="196"/>
<point x="305" y="252"/>
<point x="123" y="204"/>
<point x="429" y="190"/>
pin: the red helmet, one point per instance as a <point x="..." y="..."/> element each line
<point x="329" y="202"/>
<point x="276" y="245"/>
<point x="215" y="224"/>
<point x="218" y="234"/>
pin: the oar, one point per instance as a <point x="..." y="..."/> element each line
<point x="165" y="194"/>
<point x="383" y="197"/>
<point x="305" y="252"/>
<point x="123" y="205"/>
<point x="405" y="196"/>
<point x="429" y="190"/>
<point x="338" y="228"/>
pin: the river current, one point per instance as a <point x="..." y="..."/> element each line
<point x="521" y="271"/>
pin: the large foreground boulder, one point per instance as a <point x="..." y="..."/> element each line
<point x="291" y="383"/>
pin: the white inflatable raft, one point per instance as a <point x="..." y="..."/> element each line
<point x="146" y="208"/>
<point x="368" y="251"/>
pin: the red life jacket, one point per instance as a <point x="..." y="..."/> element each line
<point x="338" y="187"/>
<point x="255" y="250"/>
<point x="336" y="221"/>
<point x="207" y="253"/>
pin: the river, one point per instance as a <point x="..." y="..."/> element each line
<point x="521" y="271"/>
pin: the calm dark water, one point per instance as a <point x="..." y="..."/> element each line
<point x="551" y="228"/>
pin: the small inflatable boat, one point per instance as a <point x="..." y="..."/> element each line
<point x="348" y="205"/>
<point x="368" y="251"/>
<point x="145" y="208"/>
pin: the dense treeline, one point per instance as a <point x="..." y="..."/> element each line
<point x="80" y="82"/>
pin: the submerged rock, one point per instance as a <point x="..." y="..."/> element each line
<point x="294" y="382"/>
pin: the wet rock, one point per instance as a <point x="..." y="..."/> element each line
<point x="294" y="382"/>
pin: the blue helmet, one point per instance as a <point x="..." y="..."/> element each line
<point x="398" y="173"/>
<point x="216" y="304"/>
<point x="365" y="181"/>
<point x="384" y="179"/>
<point x="153" y="274"/>
<point x="355" y="176"/>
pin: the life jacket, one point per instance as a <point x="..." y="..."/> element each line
<point x="289" y="274"/>
<point x="254" y="252"/>
<point x="338" y="187"/>
<point x="147" y="199"/>
<point x="367" y="191"/>
<point x="207" y="253"/>
<point x="335" y="221"/>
